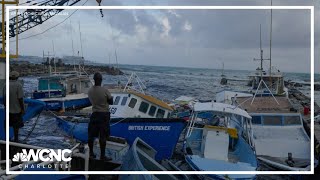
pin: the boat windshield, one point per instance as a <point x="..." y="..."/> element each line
<point x="276" y="120"/>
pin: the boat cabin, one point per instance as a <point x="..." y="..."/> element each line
<point x="131" y="103"/>
<point x="275" y="81"/>
<point x="224" y="145"/>
<point x="54" y="86"/>
<point x="280" y="126"/>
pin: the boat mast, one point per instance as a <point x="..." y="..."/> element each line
<point x="81" y="47"/>
<point x="74" y="61"/>
<point x="261" y="55"/>
<point x="261" y="78"/>
<point x="270" y="79"/>
<point x="54" y="58"/>
<point x="222" y="68"/>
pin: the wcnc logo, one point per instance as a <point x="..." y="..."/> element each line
<point x="44" y="155"/>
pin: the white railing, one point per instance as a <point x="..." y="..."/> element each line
<point x="130" y="84"/>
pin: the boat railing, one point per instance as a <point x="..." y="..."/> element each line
<point x="74" y="153"/>
<point x="130" y="84"/>
<point x="191" y="124"/>
<point x="270" y="92"/>
<point x="86" y="74"/>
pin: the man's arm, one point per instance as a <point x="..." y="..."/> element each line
<point x="110" y="101"/>
<point x="109" y="98"/>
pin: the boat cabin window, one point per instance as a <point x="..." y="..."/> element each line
<point x="124" y="101"/>
<point x="116" y="101"/>
<point x="292" y="120"/>
<point x="152" y="110"/>
<point x="132" y="102"/>
<point x="272" y="120"/>
<point x="160" y="113"/>
<point x="256" y="120"/>
<point x="143" y="107"/>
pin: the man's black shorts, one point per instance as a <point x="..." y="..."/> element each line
<point x="99" y="125"/>
<point x="15" y="120"/>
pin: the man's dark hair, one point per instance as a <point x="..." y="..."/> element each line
<point x="97" y="79"/>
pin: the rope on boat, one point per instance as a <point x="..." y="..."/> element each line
<point x="77" y="121"/>
<point x="30" y="132"/>
<point x="118" y="122"/>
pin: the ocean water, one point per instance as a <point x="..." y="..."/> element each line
<point x="166" y="83"/>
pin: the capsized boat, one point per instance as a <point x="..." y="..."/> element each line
<point x="63" y="92"/>
<point x="33" y="108"/>
<point x="141" y="157"/>
<point x="223" y="143"/>
<point x="160" y="133"/>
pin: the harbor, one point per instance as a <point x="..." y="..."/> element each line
<point x="94" y="91"/>
<point x="69" y="140"/>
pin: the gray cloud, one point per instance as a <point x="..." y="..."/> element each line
<point x="161" y="38"/>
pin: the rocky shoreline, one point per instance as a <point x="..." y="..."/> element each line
<point x="30" y="69"/>
<point x="301" y="84"/>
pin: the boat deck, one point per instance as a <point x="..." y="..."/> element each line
<point x="265" y="105"/>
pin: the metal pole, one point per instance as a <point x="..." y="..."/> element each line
<point x="54" y="58"/>
<point x="17" y="34"/>
<point x="261" y="55"/>
<point x="270" y="79"/>
<point x="80" y="40"/>
<point x="2" y="29"/>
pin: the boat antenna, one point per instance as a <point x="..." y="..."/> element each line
<point x="115" y="54"/>
<point x="54" y="58"/>
<point x="270" y="79"/>
<point x="261" y="55"/>
<point x="109" y="53"/>
<point x="80" y="46"/>
<point x="222" y="69"/>
<point x="74" y="60"/>
<point x="261" y="78"/>
<point x="114" y="44"/>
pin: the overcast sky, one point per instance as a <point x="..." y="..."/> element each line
<point x="183" y="38"/>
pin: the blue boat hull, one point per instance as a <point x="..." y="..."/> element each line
<point x="34" y="107"/>
<point x="47" y="94"/>
<point x="72" y="104"/>
<point x="161" y="134"/>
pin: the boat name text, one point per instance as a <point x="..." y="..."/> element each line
<point x="149" y="128"/>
